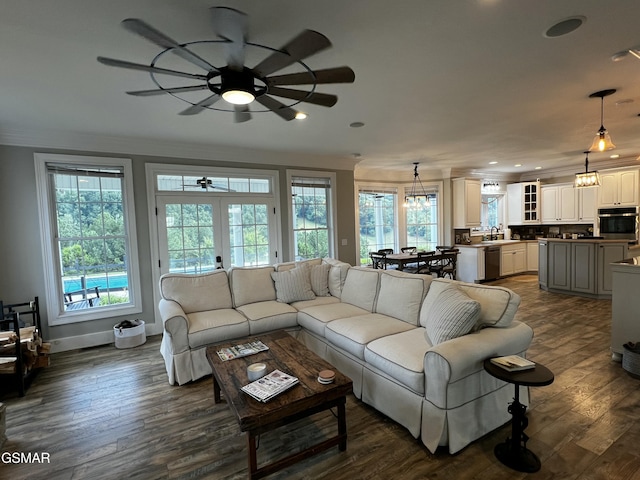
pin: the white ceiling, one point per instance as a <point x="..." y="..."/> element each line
<point x="449" y="83"/>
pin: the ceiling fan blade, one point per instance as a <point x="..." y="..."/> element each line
<point x="233" y="26"/>
<point x="112" y="62"/>
<point x="241" y="114"/>
<point x="324" y="99"/>
<point x="276" y="107"/>
<point x="155" y="36"/>
<point x="200" y="106"/>
<point x="304" y="45"/>
<point x="160" y="91"/>
<point x="329" y="75"/>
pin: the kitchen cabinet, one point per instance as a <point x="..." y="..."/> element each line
<point x="467" y="202"/>
<point x="559" y="203"/>
<point x="625" y="304"/>
<point x="607" y="254"/>
<point x="543" y="247"/>
<point x="532" y="256"/>
<point x="513" y="259"/>
<point x="470" y="264"/>
<point x="587" y="199"/>
<point x="523" y="203"/>
<point x="559" y="266"/>
<point x="582" y="267"/>
<point x="618" y="188"/>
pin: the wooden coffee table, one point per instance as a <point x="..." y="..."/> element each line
<point x="307" y="398"/>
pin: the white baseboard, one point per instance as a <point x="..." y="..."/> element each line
<point x="92" y="339"/>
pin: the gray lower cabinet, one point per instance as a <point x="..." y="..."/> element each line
<point x="607" y="254"/>
<point x="543" y="253"/>
<point x="583" y="271"/>
<point x="582" y="267"/>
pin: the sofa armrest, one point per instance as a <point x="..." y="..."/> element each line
<point x="463" y="356"/>
<point x="175" y="324"/>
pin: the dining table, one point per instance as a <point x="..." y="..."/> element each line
<point x="403" y="260"/>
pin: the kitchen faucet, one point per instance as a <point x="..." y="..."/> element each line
<point x="491" y="233"/>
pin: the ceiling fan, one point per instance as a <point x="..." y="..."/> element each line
<point x="236" y="83"/>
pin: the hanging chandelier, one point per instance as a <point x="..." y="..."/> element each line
<point x="602" y="140"/>
<point x="417" y="197"/>
<point x="587" y="179"/>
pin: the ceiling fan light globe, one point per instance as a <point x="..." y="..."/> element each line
<point x="238" y="97"/>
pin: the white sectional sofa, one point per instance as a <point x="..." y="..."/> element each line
<point x="413" y="345"/>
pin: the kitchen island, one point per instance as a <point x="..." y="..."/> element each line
<point x="515" y="256"/>
<point x="625" y="305"/>
<point x="579" y="266"/>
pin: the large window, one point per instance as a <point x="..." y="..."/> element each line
<point x="492" y="210"/>
<point x="311" y="214"/>
<point x="378" y="225"/>
<point x="86" y="207"/>
<point x="422" y="224"/>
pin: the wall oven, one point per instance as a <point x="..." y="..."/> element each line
<point x="619" y="223"/>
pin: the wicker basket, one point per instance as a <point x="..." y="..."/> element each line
<point x="631" y="359"/>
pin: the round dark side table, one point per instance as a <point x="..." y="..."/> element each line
<point x="513" y="452"/>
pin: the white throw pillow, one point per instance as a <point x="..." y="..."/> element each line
<point x="320" y="279"/>
<point x="293" y="285"/>
<point x="453" y="314"/>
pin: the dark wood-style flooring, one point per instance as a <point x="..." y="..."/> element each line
<point x="103" y="413"/>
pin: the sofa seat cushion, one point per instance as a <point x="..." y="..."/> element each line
<point x="315" y="318"/>
<point x="268" y="316"/>
<point x="400" y="356"/>
<point x="354" y="333"/>
<point x="215" y="326"/>
<point x="315" y="302"/>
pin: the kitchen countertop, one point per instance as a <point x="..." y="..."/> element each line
<point x="633" y="261"/>
<point x="587" y="240"/>
<point x="489" y="243"/>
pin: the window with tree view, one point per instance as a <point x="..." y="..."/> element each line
<point x="377" y="222"/>
<point x="422" y="224"/>
<point x="89" y="251"/>
<point x="311" y="208"/>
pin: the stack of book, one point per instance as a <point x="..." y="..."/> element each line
<point x="267" y="387"/>
<point x="513" y="363"/>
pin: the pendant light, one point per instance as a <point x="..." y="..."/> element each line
<point x="587" y="179"/>
<point x="417" y="197"/>
<point x="602" y="140"/>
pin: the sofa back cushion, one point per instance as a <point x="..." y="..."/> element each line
<point x="454" y="314"/>
<point x="361" y="287"/>
<point x="401" y="295"/>
<point x="498" y="305"/>
<point x="337" y="275"/>
<point x="251" y="285"/>
<point x="197" y="293"/>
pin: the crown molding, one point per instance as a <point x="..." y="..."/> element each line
<point x="565" y="171"/>
<point x="122" y="145"/>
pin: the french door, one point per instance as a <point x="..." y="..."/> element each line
<point x="194" y="230"/>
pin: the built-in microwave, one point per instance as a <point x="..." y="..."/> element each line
<point x="618" y="223"/>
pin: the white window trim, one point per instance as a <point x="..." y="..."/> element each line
<point x="333" y="230"/>
<point x="55" y="313"/>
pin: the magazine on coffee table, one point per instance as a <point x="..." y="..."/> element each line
<point x="267" y="387"/>
<point x="242" y="350"/>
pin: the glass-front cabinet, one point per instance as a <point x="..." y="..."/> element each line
<point x="523" y="201"/>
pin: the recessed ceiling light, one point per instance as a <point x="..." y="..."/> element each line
<point x="564" y="27"/>
<point x="301" y="116"/>
<point x="615" y="155"/>
<point x="356" y="124"/>
<point x="518" y="165"/>
<point x="493" y="162"/>
<point x="538" y="168"/>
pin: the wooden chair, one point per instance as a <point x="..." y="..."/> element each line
<point x="447" y="263"/>
<point x="409" y="249"/>
<point x="423" y="262"/>
<point x="378" y="260"/>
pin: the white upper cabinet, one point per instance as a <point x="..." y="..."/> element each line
<point x="618" y="188"/>
<point x="559" y="204"/>
<point x="467" y="202"/>
<point x="587" y="198"/>
<point x="523" y="203"/>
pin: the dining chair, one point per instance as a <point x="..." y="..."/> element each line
<point x="409" y="249"/>
<point x="423" y="263"/>
<point x="378" y="260"/>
